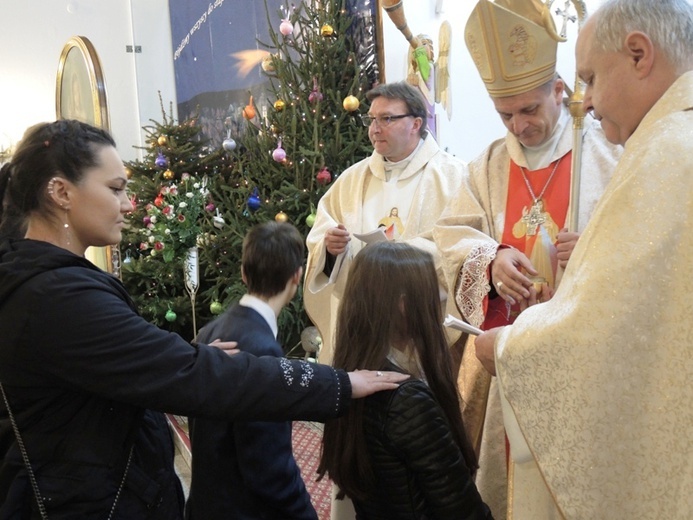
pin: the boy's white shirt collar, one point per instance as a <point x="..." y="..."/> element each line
<point x="263" y="309"/>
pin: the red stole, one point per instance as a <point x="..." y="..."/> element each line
<point x="539" y="247"/>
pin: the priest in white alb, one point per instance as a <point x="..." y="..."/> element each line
<point x="402" y="188"/>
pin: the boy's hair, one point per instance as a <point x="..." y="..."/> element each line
<point x="272" y="253"/>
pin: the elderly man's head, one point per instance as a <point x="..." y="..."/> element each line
<point x="629" y="52"/>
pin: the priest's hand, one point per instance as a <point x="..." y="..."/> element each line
<point x="565" y="245"/>
<point x="507" y="276"/>
<point x="485" y="349"/>
<point x="533" y="299"/>
<point x="367" y="382"/>
<point x="336" y="240"/>
<point x="539" y="292"/>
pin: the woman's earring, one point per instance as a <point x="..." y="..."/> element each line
<point x="66" y="227"/>
<point x="51" y="183"/>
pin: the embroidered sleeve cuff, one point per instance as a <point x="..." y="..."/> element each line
<point x="343" y="399"/>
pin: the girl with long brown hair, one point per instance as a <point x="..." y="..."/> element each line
<point x="403" y="453"/>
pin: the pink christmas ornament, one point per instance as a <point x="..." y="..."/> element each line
<point x="279" y="154"/>
<point x="286" y="27"/>
<point x="324" y="177"/>
<point x="315" y="95"/>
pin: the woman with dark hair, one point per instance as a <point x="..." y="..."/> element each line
<point x="402" y="453"/>
<point x="83" y="377"/>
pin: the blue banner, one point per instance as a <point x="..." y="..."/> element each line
<point x="217" y="56"/>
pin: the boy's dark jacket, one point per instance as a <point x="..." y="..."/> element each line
<point x="245" y="470"/>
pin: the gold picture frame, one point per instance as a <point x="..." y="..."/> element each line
<point x="80" y="93"/>
<point x="80" y="89"/>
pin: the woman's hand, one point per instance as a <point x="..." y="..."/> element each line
<point x="367" y="382"/>
<point x="227" y="346"/>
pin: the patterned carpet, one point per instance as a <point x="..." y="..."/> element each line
<point x="306" y="440"/>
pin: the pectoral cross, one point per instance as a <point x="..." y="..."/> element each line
<point x="535" y="218"/>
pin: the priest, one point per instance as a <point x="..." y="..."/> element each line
<point x="403" y="188"/>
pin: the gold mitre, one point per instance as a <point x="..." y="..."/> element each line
<point x="511" y="47"/>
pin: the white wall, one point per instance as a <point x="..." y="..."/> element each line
<point x="32" y="38"/>
<point x="35" y="31"/>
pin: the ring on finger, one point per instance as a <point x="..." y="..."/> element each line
<point x="499" y="285"/>
<point x="378" y="373"/>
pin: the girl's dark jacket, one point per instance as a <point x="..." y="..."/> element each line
<point x="87" y="379"/>
<point x="420" y="470"/>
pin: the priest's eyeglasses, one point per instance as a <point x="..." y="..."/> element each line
<point x="382" y="120"/>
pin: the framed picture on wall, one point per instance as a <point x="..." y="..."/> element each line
<point x="80" y="93"/>
<point x="80" y="90"/>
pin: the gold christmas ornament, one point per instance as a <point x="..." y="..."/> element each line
<point x="279" y="105"/>
<point x="267" y="64"/>
<point x="168" y="175"/>
<point x="351" y="103"/>
<point x="128" y="173"/>
<point x="326" y="30"/>
<point x="163" y="140"/>
<point x="281" y="217"/>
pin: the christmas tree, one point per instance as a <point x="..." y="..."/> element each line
<point x="289" y="152"/>
<point x="280" y="163"/>
<point x="170" y="193"/>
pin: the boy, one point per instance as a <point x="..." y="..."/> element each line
<point x="246" y="470"/>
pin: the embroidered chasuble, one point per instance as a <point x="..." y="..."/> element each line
<point x="600" y="377"/>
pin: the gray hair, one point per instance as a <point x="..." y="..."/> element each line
<point x="412" y="97"/>
<point x="668" y="23"/>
